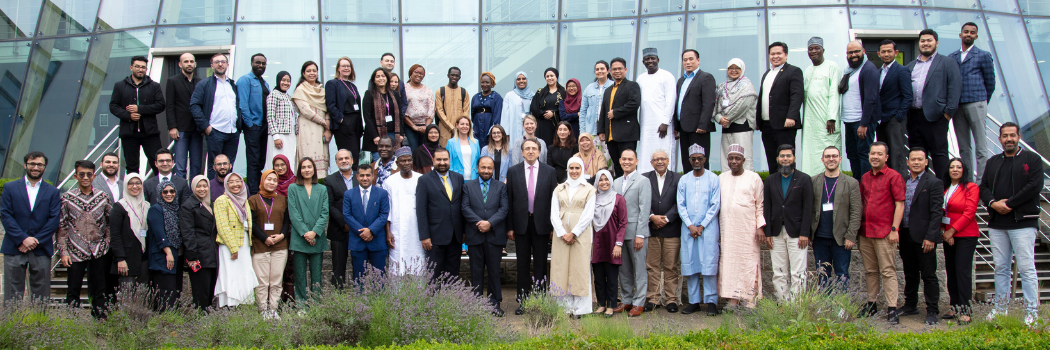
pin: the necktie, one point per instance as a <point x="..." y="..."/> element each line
<point x="364" y="199"/>
<point x="164" y="179"/>
<point x="448" y="187"/>
<point x="484" y="192"/>
<point x="531" y="187"/>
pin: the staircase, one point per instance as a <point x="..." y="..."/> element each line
<point x="59" y="286"/>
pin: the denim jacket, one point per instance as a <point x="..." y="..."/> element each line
<point x="592" y="105"/>
<point x="251" y="102"/>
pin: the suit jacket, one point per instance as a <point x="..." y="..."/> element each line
<point x="335" y="98"/>
<point x="494" y="210"/>
<point x="698" y="104"/>
<point x="518" y="197"/>
<point x="927" y="208"/>
<point x="665" y="204"/>
<point x="639" y="198"/>
<point x="100" y="184"/>
<point x="21" y="223"/>
<point x="124" y="242"/>
<point x="794" y="211"/>
<point x="625" y="112"/>
<point x="336" y="223"/>
<point x="149" y="188"/>
<point x="785" y="99"/>
<point x="373" y="218"/>
<point x="848" y="207"/>
<point x="871" y="108"/>
<point x="977" y="74"/>
<point x="896" y="92"/>
<point x="440" y="219"/>
<point x="198" y="229"/>
<point x="204" y="97"/>
<point x="943" y="87"/>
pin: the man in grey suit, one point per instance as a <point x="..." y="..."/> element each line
<point x="110" y="182"/>
<point x="634" y="280"/>
<point x="937" y="83"/>
<point x="485" y="207"/>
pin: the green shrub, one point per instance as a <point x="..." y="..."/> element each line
<point x="542" y="310"/>
<point x="815" y="307"/>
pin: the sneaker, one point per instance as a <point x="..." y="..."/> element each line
<point x="1030" y="318"/>
<point x="275" y="315"/>
<point x="892" y="316"/>
<point x="908" y="311"/>
<point x="265" y="314"/>
<point x="931" y="318"/>
<point x="995" y="313"/>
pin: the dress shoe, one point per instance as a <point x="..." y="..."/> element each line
<point x="497" y="311"/>
<point x="868" y="310"/>
<point x="622" y="307"/>
<point x="908" y="311"/>
<point x="648" y="307"/>
<point x="519" y="311"/>
<point x="691" y="308"/>
<point x="635" y="311"/>
<point x="712" y="309"/>
<point x="892" y="316"/>
<point x="672" y="308"/>
<point x="931" y="318"/>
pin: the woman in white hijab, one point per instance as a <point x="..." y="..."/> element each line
<point x="572" y="211"/>
<point x="735" y="101"/>
<point x="127" y="227"/>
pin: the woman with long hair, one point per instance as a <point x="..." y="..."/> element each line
<point x="463" y="150"/>
<point x="423" y="156"/>
<point x="486" y="108"/>
<point x="546" y="105"/>
<point x="270" y="229"/>
<point x="233" y="224"/>
<point x="564" y="148"/>
<point x="314" y="123"/>
<point x="308" y="211"/>
<point x="380" y="111"/>
<point x="591" y="102"/>
<point x="280" y="119"/>
<point x="498" y="149"/>
<point x="420" y="112"/>
<point x="960" y="235"/>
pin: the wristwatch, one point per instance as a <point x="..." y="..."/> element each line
<point x="894" y="229"/>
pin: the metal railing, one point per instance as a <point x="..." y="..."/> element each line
<point x="98" y="156"/>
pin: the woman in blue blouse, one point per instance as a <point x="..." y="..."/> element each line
<point x="463" y="150"/>
<point x="486" y="108"/>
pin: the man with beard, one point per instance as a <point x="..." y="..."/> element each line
<point x="485" y="210"/>
<point x="136" y="101"/>
<point x="861" y="109"/>
<point x="386" y="165"/>
<point x="937" y="85"/>
<point x="221" y="168"/>
<point x="836" y="219"/>
<point x="787" y="197"/>
<point x="253" y="90"/>
<point x="181" y="127"/>
<point x="406" y="252"/>
<point x="779" y="103"/>
<point x="366" y="209"/>
<point x="110" y="182"/>
<point x="978" y="84"/>
<point x="337" y="184"/>
<point x="165" y="165"/>
<point x="214" y="108"/>
<point x="895" y="96"/>
<point x="822" y="107"/>
<point x="439" y="196"/>
<point x="29" y="211"/>
<point x="656" y="113"/>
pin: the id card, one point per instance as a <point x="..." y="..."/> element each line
<point x="946" y="220"/>
<point x="142" y="233"/>
<point x="268" y="226"/>
<point x="725" y="103"/>
<point x="828" y="206"/>
<point x="389" y="118"/>
<point x="356" y="107"/>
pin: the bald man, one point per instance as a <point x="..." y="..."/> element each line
<point x="181" y="127"/>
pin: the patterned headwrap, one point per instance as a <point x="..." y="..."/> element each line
<point x="697" y="149"/>
<point x="736" y="148"/>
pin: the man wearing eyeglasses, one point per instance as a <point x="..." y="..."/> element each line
<point x="83" y="239"/>
<point x="136" y="101"/>
<point x="214" y="109"/>
<point x="836" y="219"/>
<point x="165" y="166"/>
<point x="29" y="211"/>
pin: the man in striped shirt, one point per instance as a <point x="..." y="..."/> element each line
<point x="83" y="238"/>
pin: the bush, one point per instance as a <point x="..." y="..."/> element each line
<point x="816" y="307"/>
<point x="542" y="310"/>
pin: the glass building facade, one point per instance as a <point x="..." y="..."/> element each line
<point x="59" y="59"/>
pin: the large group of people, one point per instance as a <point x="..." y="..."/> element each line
<point x="586" y="175"/>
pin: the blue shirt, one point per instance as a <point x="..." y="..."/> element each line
<point x="681" y="94"/>
<point x="251" y="102"/>
<point x="785" y="182"/>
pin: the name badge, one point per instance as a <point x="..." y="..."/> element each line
<point x="356" y="107"/>
<point x="245" y="224"/>
<point x="268" y="226"/>
<point x="946" y="220"/>
<point x="389" y="118"/>
<point x="725" y="103"/>
<point x="142" y="233"/>
<point x="828" y="206"/>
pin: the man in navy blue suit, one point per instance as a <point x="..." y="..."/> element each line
<point x="365" y="209"/>
<point x="485" y="209"/>
<point x="895" y="96"/>
<point x="29" y="210"/>
<point x="439" y="196"/>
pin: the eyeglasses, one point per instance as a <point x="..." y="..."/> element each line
<point x="85" y="175"/>
<point x="134" y="184"/>
<point x="168" y="192"/>
<point x="35" y="165"/>
<point x="219" y="62"/>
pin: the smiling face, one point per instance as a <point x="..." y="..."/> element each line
<point x="628" y="161"/>
<point x="35" y="168"/>
<point x="110" y="165"/>
<point x="380" y="79"/>
<point x="564" y="132"/>
<point x="496" y="134"/>
<point x="603" y="183"/>
<point x="441" y="161"/>
<point x="917" y="161"/>
<point x="618" y="70"/>
<point x="831" y="159"/>
<point x="386" y="148"/>
<point x="600" y="71"/>
<point x="521" y="81"/>
<point x="697" y="160"/>
<point x="134" y="187"/>
<point x="486" y="84"/>
<point x="345" y="69"/>
<point x="395" y="82"/>
<point x="463" y="126"/>
<point x="652" y="63"/>
<point x="816" y="52"/>
<point x="575" y="170"/>
<point x="571" y="88"/>
<point x="1009" y="138"/>
<point x="387" y="62"/>
<point x="286" y="82"/>
<point x="689" y="61"/>
<point x="734" y="72"/>
<point x="364" y="177"/>
<point x="433" y="135"/>
<point x="659" y="161"/>
<point x="968" y="35"/>
<point x="927" y="45"/>
<point x="258" y="65"/>
<point x="877" y="156"/>
<point x="165" y="163"/>
<point x="552" y="80"/>
<point x="955" y="170"/>
<point x="344" y="161"/>
<point x="530" y="126"/>
<point x="485" y="168"/>
<point x="202" y="189"/>
<point x="222" y="166"/>
<point x="586" y="144"/>
<point x="310" y="73"/>
<point x="777" y="56"/>
<point x="306" y="169"/>
<point x="280" y="166"/>
<point x="417" y="75"/>
<point x="235" y="184"/>
<point x="270" y="182"/>
<point x="168" y="194"/>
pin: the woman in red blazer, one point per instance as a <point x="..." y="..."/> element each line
<point x="960" y="234"/>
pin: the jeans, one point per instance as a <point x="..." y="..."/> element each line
<point x="193" y="143"/>
<point x="831" y="258"/>
<point x="857" y="149"/>
<point x="255" y="154"/>
<point x="375" y="258"/>
<point x="1018" y="244"/>
<point x="413" y="137"/>
<point x="221" y="143"/>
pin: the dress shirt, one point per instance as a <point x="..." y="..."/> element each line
<point x="660" y="183"/>
<point x="767" y="84"/>
<point x="882" y="74"/>
<point x="909" y="195"/>
<point x="626" y="181"/>
<point x="964" y="52"/>
<point x="880" y="192"/>
<point x="32" y="191"/>
<point x="348" y="180"/>
<point x="918" y="79"/>
<point x="114" y="188"/>
<point x="364" y="198"/>
<point x="685" y="87"/>
<point x="531" y="171"/>
<point x="224" y="108"/>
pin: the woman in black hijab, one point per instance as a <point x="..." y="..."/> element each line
<point x="423" y="156"/>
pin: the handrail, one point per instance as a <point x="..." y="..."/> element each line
<point x="1025" y="144"/>
<point x="115" y="128"/>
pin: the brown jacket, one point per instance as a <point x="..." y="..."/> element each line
<point x="276" y="215"/>
<point x="847" y="207"/>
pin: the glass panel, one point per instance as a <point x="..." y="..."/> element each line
<point x="196" y="11"/>
<point x="805" y="2"/>
<point x="441" y="47"/>
<point x="584" y="43"/>
<point x="365" y="45"/>
<point x="55" y="68"/>
<point x="885" y="2"/>
<point x="509" y="49"/>
<point x="440" y="11"/>
<point x="1009" y="37"/>
<point x="513" y="11"/>
<point x="194" y="36"/>
<point x="572" y="9"/>
<point x="116" y="14"/>
<point x="1034" y="7"/>
<point x="790" y="27"/>
<point x="948" y="24"/>
<point x="882" y="18"/>
<point x="18" y="18"/>
<point x="276" y="10"/>
<point x="959" y="4"/>
<point x="722" y="4"/>
<point x="63" y="17"/>
<point x="664" y="34"/>
<point x="14" y="58"/>
<point x="373" y="11"/>
<point x="108" y="63"/>
<point x="662" y="6"/>
<point x="1039" y="34"/>
<point x="1009" y="6"/>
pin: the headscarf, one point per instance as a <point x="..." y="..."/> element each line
<point x="311" y="94"/>
<point x="171" y="214"/>
<point x="526" y="93"/>
<point x="280" y="76"/>
<point x="136" y="207"/>
<point x="283" y="181"/>
<point x="592" y="161"/>
<point x="572" y="102"/>
<point x="491" y="77"/>
<point x="604" y="201"/>
<point x="735" y="89"/>
<point x="262" y="188"/>
<point x="573" y="183"/>
<point x="238" y="199"/>
<point x="206" y="200"/>
<point x="423" y="156"/>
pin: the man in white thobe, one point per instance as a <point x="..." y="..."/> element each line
<point x="656" y="112"/>
<point x="406" y="251"/>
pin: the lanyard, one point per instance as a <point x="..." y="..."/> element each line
<point x="268" y="208"/>
<point x="832" y="189"/>
<point x="135" y="212"/>
<point x="588" y="164"/>
<point x="351" y="90"/>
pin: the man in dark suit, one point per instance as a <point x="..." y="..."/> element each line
<point x="618" y="120"/>
<point x="694" y="108"/>
<point x="895" y="96"/>
<point x="365" y="209"/>
<point x="111" y="181"/>
<point x="530" y="187"/>
<point x="439" y="196"/>
<point x="338" y="230"/>
<point x="788" y="208"/>
<point x="189" y="142"/>
<point x="29" y="211"/>
<point x="665" y="230"/>
<point x="165" y="163"/>
<point x="937" y="87"/>
<point x="485" y="209"/>
<point x="920" y="232"/>
<point x="779" y="103"/>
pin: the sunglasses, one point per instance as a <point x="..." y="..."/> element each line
<point x="168" y="192"/>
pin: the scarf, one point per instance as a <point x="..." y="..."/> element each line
<point x="379" y="102"/>
<point x="423" y="156"/>
<point x="136" y="207"/>
<point x="734" y="90"/>
<point x="238" y="199"/>
<point x="846" y="74"/>
<point x="262" y="188"/>
<point x="572" y="102"/>
<point x="206" y="200"/>
<point x="283" y="181"/>
<point x="604" y="202"/>
<point x="280" y="76"/>
<point x="171" y="215"/>
<point x="312" y="95"/>
<point x="573" y="183"/>
<point x="590" y="160"/>
<point x="526" y="93"/>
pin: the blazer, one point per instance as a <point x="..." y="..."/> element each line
<point x="625" y="112"/>
<point x="204" y="97"/>
<point x="374" y="218"/>
<point x="794" y="211"/>
<point x="439" y="218"/>
<point x="698" y="104"/>
<point x="99" y="183"/>
<point x="961" y="211"/>
<point x="977" y="74"/>
<point x="785" y="99"/>
<point x="927" y="208"/>
<point x="518" y="197"/>
<point x="494" y="210"/>
<point x="336" y="189"/>
<point x="848" y="208"/>
<point x="21" y="223"/>
<point x="149" y="188"/>
<point x="941" y="97"/>
<point x="178" y="101"/>
<point x="639" y="198"/>
<point x="665" y="204"/>
<point x="871" y="108"/>
<point x="896" y="92"/>
<point x="199" y="232"/>
<point x="157" y="240"/>
<point x="456" y="156"/>
<point x="1026" y="183"/>
<point x="335" y="98"/>
<point x="124" y="241"/>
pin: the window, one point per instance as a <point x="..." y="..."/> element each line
<point x="513" y="48"/>
<point x="62" y="17"/>
<point x="196" y="11"/>
<point x="118" y="14"/>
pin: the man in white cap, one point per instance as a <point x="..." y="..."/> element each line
<point x="699" y="201"/>
<point x="742" y="191"/>
<point x="656" y="112"/>
<point x="820" y="128"/>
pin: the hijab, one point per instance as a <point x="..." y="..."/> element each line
<point x="572" y="102"/>
<point x="136" y="207"/>
<point x="604" y="201"/>
<point x="526" y="93"/>
<point x="283" y="181"/>
<point x="423" y="156"/>
<point x="171" y="214"/>
<point x="262" y="188"/>
<point x="280" y="76"/>
<point x="238" y="199"/>
<point x="735" y="89"/>
<point x="593" y="160"/>
<point x="206" y="200"/>
<point x="574" y="183"/>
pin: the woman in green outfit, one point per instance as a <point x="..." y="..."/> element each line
<point x="308" y="210"/>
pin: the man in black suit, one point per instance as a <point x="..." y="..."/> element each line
<point x="920" y="232"/>
<point x="665" y="230"/>
<point x="694" y="108"/>
<point x="788" y="197"/>
<point x="439" y="196"/>
<point x="165" y="163"/>
<point x="338" y="183"/>
<point x="530" y="187"/>
<point x="618" y="120"/>
<point x="937" y="86"/>
<point x="485" y="208"/>
<point x="779" y="103"/>
<point x="895" y="95"/>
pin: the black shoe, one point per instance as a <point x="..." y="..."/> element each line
<point x="672" y="308"/>
<point x="908" y="311"/>
<point x="892" y="316"/>
<point x="519" y="311"/>
<point x="931" y="318"/>
<point x="648" y="307"/>
<point x="868" y="310"/>
<point x="498" y="312"/>
<point x="712" y="309"/>
<point x="691" y="308"/>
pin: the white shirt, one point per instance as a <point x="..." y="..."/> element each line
<point x="164" y="177"/>
<point x="767" y="84"/>
<point x="32" y="191"/>
<point x="626" y="181"/>
<point x="660" y="182"/>
<point x="114" y="188"/>
<point x="962" y="57"/>
<point x="585" y="215"/>
<point x="852" y="110"/>
<point x="224" y="108"/>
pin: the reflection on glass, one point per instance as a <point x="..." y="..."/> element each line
<point x="790" y="27"/>
<point x="584" y="43"/>
<point x="1039" y="34"/>
<point x="885" y="2"/>
<point x="884" y="18"/>
<point x="959" y="4"/>
<point x="805" y="2"/>
<point x="508" y="49"/>
<point x="194" y="36"/>
<point x="665" y="34"/>
<point x="662" y="6"/>
<point x="62" y="17"/>
<point x="50" y="92"/>
<point x="571" y="9"/>
<point x="18" y="18"/>
<point x="196" y="11"/>
<point x="276" y="10"/>
<point x="14" y="58"/>
<point x="365" y="45"/>
<point x="438" y="48"/>
<point x="948" y="24"/>
<point x="117" y="14"/>
<point x="439" y="11"/>
<point x="373" y="11"/>
<point x="514" y="11"/>
<point x="1034" y="7"/>
<point x="1009" y="6"/>
<point x="722" y="4"/>
<point x="1029" y="99"/>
